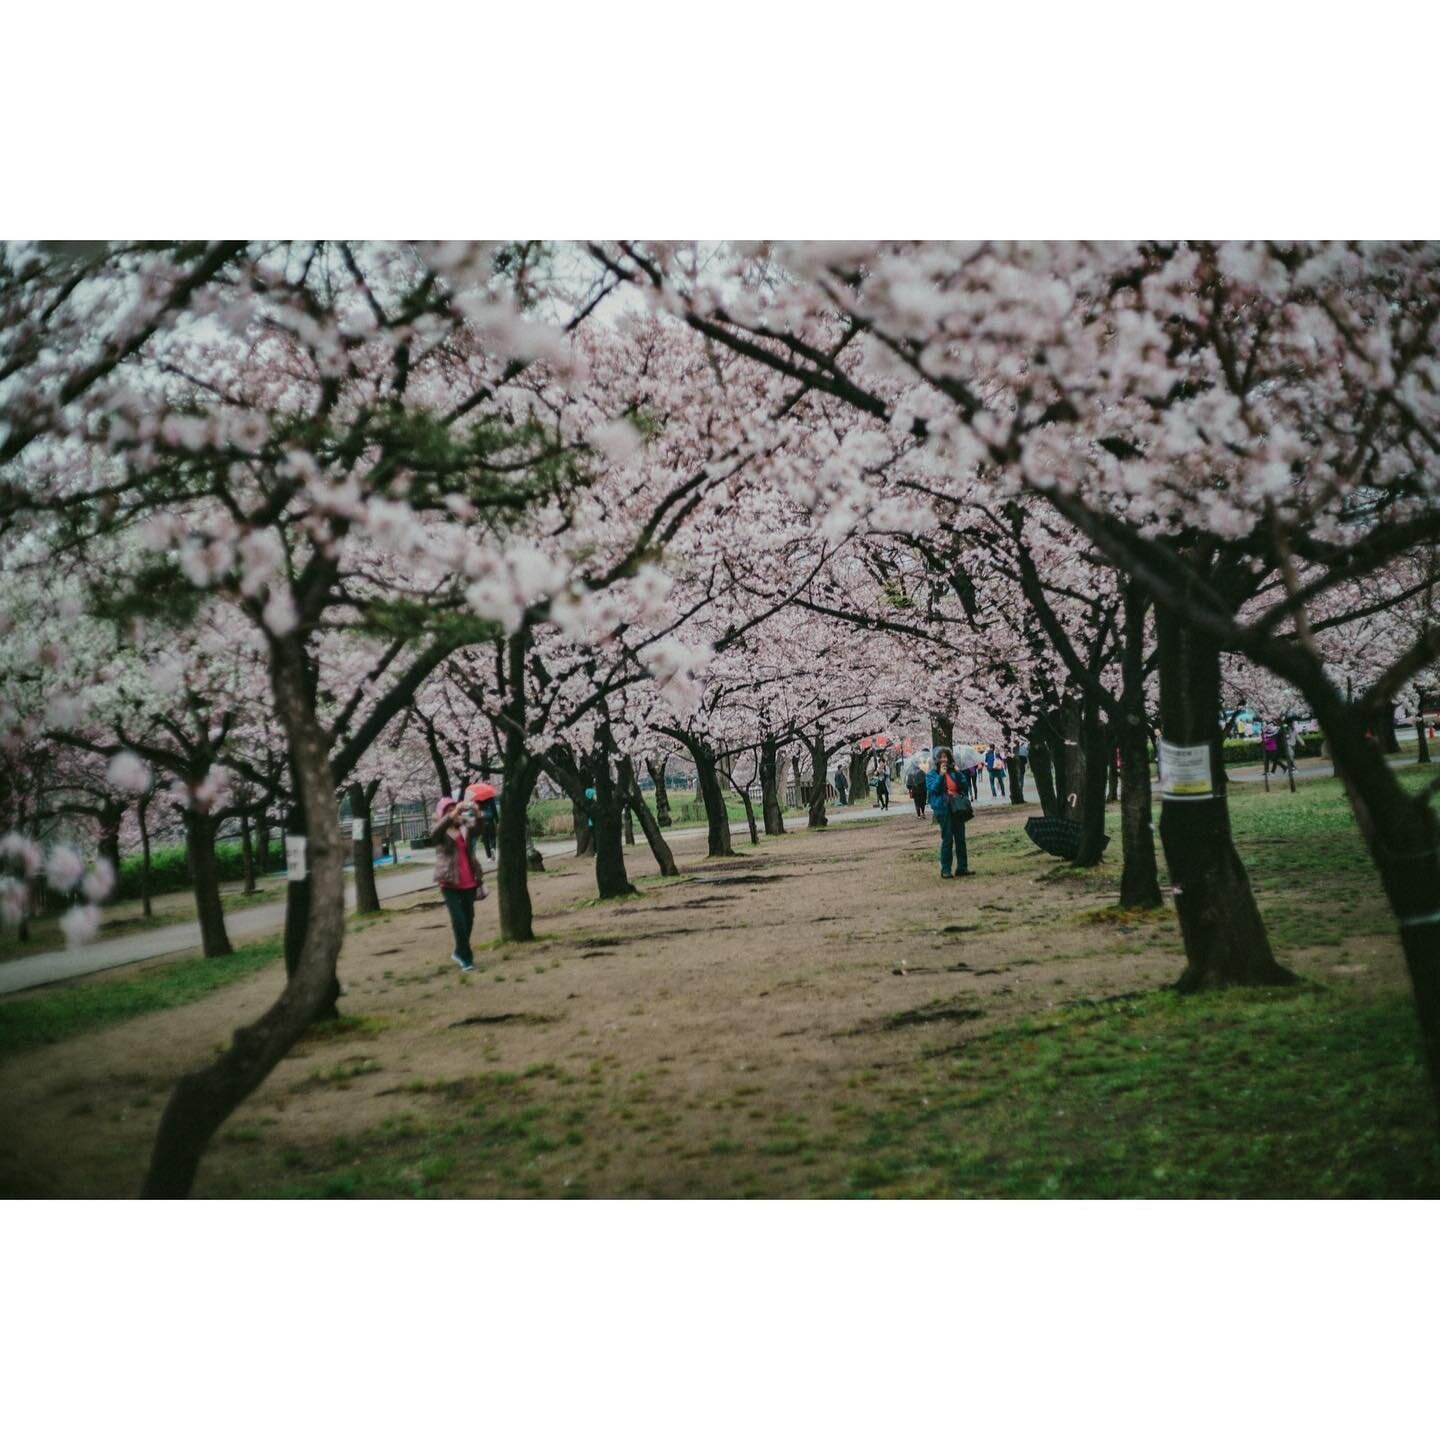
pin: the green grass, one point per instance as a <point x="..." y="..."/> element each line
<point x="57" y="1014"/>
<point x="1260" y="1094"/>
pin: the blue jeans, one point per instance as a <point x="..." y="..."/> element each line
<point x="461" y="905"/>
<point x="952" y="843"/>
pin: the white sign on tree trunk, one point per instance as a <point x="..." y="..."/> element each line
<point x="295" y="857"/>
<point x="357" y="829"/>
<point x="1185" y="772"/>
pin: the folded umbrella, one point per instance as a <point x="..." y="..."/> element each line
<point x="1057" y="837"/>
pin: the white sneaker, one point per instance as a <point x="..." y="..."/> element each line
<point x="465" y="965"/>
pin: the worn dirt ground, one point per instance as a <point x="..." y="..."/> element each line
<point x="722" y="1035"/>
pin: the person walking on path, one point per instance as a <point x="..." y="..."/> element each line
<point x="995" y="765"/>
<point x="915" y="784"/>
<point x="946" y="791"/>
<point x="458" y="872"/>
<point x="1270" y="744"/>
<point x="972" y="775"/>
<point x="840" y="785"/>
<point x="882" y="791"/>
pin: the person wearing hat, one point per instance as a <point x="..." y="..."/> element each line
<point x="948" y="791"/>
<point x="458" y="872"/>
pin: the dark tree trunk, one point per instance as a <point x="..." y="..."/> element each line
<point x="141" y="814"/>
<point x="534" y="860"/>
<point x="247" y="856"/>
<point x="512" y="865"/>
<point x="1422" y="741"/>
<point x="656" y="771"/>
<point x="717" y="817"/>
<point x="1112" y="772"/>
<point x="1139" y="881"/>
<point x="512" y="886"/>
<point x="442" y="773"/>
<point x="1403" y="837"/>
<point x="1389" y="740"/>
<point x="1043" y="772"/>
<point x="610" y="878"/>
<point x="635" y="801"/>
<point x="745" y="801"/>
<point x="584" y="830"/>
<point x="859" y="777"/>
<point x="367" y="897"/>
<point x="629" y="822"/>
<point x="1225" y="939"/>
<point x="111" y="814"/>
<point x="1094" y="746"/>
<point x="205" y="880"/>
<point x="819" y="764"/>
<point x="942" y="732"/>
<point x="263" y="862"/>
<point x="1016" y="768"/>
<point x="1068" y="752"/>
<point x="203" y="1100"/>
<point x="297" y="909"/>
<point x="770" y="807"/>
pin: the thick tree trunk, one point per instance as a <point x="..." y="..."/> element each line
<point x="367" y="897"/>
<point x="1094" y="746"/>
<point x="141" y="814"/>
<point x="1403" y="837"/>
<point x="512" y="866"/>
<point x="584" y="830"/>
<point x="656" y="771"/>
<point x="1422" y="741"/>
<point x="298" y="919"/>
<point x="859" y="778"/>
<point x="512" y="885"/>
<point x="1043" y="771"/>
<point x="262" y="844"/>
<point x="1069" y="753"/>
<point x="534" y="860"/>
<point x="203" y="1100"/>
<point x="819" y="764"/>
<point x="611" y="879"/>
<point x="770" y="807"/>
<point x="247" y="856"/>
<point x="1139" y="881"/>
<point x="1225" y="939"/>
<point x="717" y="817"/>
<point x="1112" y="773"/>
<point x="205" y="880"/>
<point x="942" y="732"/>
<point x="635" y="801"/>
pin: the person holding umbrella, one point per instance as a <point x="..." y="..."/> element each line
<point x="948" y="792"/>
<point x="488" y="807"/>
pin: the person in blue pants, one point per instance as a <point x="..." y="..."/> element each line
<point x="944" y="787"/>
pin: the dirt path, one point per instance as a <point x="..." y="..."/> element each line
<point x="719" y="1035"/>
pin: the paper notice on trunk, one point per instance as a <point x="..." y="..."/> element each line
<point x="1185" y="772"/>
<point x="295" y="858"/>
<point x="357" y="829"/>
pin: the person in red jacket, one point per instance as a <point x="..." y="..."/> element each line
<point x="458" y="872"/>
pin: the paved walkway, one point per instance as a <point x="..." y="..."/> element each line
<point x="260" y="920"/>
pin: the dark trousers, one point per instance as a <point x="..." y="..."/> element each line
<point x="952" y="843"/>
<point x="997" y="776"/>
<point x="974" y="776"/>
<point x="1020" y="763"/>
<point x="918" y="796"/>
<point x="461" y="905"/>
<point x="882" y="796"/>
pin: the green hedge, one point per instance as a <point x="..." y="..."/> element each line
<point x="1245" y="752"/>
<point x="169" y="872"/>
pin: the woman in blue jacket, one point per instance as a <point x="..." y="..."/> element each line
<point x="948" y="792"/>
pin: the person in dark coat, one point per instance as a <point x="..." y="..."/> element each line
<point x="840" y="785"/>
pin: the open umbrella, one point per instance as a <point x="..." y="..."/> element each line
<point x="480" y="792"/>
<point x="1057" y="837"/>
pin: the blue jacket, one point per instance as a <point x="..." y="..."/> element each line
<point x="935" y="789"/>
